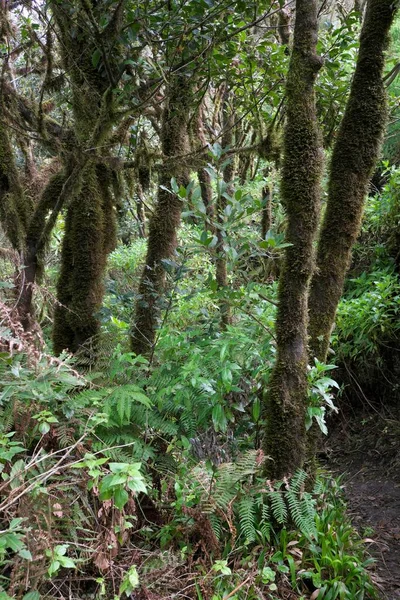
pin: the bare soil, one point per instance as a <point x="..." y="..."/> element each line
<point x="367" y="451"/>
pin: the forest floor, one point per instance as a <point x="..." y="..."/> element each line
<point x="367" y="452"/>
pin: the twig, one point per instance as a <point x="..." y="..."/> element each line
<point x="237" y="588"/>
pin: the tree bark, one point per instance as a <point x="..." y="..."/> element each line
<point x="203" y="175"/>
<point x="354" y="157"/>
<point x="221" y="273"/>
<point x="285" y="401"/>
<point x="162" y="240"/>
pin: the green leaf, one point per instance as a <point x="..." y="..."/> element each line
<point x="32" y="595"/>
<point x="96" y="58"/>
<point x="120" y="497"/>
<point x="219" y="418"/>
<point x="67" y="563"/>
<point x="44" y="428"/>
<point x="24" y="553"/>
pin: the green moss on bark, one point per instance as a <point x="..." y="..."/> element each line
<point x="90" y="222"/>
<point x="15" y="206"/>
<point x="285" y="401"/>
<point x="353" y="160"/>
<point x="165" y="220"/>
<point x="89" y="237"/>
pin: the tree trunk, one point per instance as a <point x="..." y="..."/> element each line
<point x="266" y="213"/>
<point x="90" y="222"/>
<point x="353" y="160"/>
<point x="203" y="175"/>
<point x="285" y="401"/>
<point x="89" y="237"/>
<point x="221" y="274"/>
<point x="162" y="240"/>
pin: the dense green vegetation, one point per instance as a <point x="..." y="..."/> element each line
<point x="188" y="294"/>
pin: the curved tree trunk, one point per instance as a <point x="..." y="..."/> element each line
<point x="285" y="402"/>
<point x="353" y="160"/>
<point x="162" y="240"/>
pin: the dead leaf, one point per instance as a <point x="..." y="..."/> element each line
<point x="57" y="510"/>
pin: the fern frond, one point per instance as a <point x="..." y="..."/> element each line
<point x="247" y="518"/>
<point x="278" y="507"/>
<point x="216" y="524"/>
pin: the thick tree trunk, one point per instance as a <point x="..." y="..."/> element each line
<point x="353" y="160"/>
<point x="90" y="222"/>
<point x="89" y="237"/>
<point x="162" y="240"/>
<point x="285" y="402"/>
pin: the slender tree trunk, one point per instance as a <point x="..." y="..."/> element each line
<point x="89" y="237"/>
<point x="141" y="217"/>
<point x="162" y="240"/>
<point x="221" y="273"/>
<point x="353" y="160"/>
<point x="203" y="175"/>
<point x="266" y="213"/>
<point x="285" y="402"/>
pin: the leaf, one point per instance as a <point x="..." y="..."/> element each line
<point x="44" y="428"/>
<point x="137" y="485"/>
<point x="120" y="497"/>
<point x="68" y="563"/>
<point x="6" y="285"/>
<point x="24" y="553"/>
<point x="53" y="568"/>
<point x="32" y="595"/>
<point x="219" y="419"/>
<point x="96" y="57"/>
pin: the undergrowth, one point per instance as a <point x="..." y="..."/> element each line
<point x="105" y="492"/>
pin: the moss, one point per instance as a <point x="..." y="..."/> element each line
<point x="165" y="220"/>
<point x="89" y="237"/>
<point x="15" y="207"/>
<point x="285" y="398"/>
<point x="353" y="160"/>
<point x="90" y="228"/>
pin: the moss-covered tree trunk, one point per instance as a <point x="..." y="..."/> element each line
<point x="203" y="175"/>
<point x="90" y="222"/>
<point x="285" y="401"/>
<point x="164" y="223"/>
<point x="221" y="272"/>
<point x="266" y="212"/>
<point x="353" y="160"/>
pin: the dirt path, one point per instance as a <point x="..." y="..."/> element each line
<point x="372" y="486"/>
<point x="374" y="504"/>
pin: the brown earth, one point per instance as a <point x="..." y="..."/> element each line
<point x="367" y="451"/>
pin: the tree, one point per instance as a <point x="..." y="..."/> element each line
<point x="353" y="160"/>
<point x="162" y="240"/>
<point x="286" y="396"/>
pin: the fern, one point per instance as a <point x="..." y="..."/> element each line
<point x="265" y="522"/>
<point x="216" y="524"/>
<point x="247" y="518"/>
<point x="278" y="506"/>
<point x="297" y="481"/>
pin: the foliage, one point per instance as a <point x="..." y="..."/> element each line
<point x="124" y="475"/>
